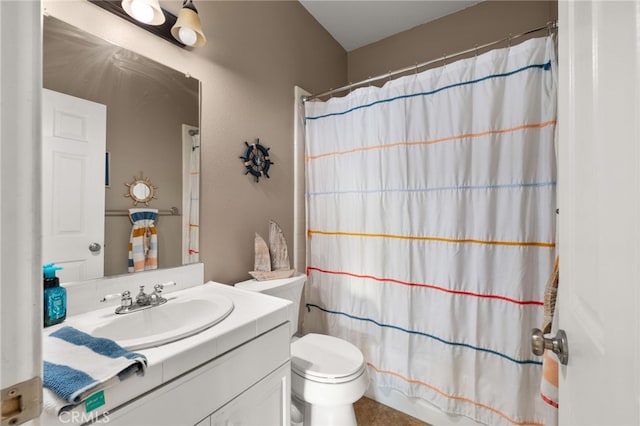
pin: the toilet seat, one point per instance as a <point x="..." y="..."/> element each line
<point x="326" y="359"/>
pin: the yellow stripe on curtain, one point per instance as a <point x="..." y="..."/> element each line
<point x="431" y="229"/>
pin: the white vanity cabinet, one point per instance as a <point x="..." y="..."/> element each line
<point x="235" y="372"/>
<point x="248" y="385"/>
<point x="266" y="403"/>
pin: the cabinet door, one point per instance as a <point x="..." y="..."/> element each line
<point x="265" y="403"/>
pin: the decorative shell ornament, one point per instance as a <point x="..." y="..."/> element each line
<point x="256" y="160"/>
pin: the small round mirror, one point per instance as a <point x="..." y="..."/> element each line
<point x="141" y="190"/>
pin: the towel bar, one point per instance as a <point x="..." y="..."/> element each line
<point x="173" y="211"/>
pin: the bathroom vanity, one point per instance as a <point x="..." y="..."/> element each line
<point x="235" y="372"/>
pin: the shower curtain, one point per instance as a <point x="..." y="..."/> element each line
<point x="193" y="236"/>
<point x="431" y="228"/>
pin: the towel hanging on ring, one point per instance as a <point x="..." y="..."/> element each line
<point x="143" y="244"/>
<point x="549" y="390"/>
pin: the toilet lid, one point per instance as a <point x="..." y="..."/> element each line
<point x="322" y="356"/>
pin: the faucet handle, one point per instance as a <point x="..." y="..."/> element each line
<point x="159" y="287"/>
<point x="142" y="298"/>
<point x="125" y="297"/>
<point x="110" y="297"/>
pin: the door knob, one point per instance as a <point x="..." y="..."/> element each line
<point x="94" y="247"/>
<point x="557" y="344"/>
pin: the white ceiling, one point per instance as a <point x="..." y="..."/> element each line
<point x="356" y="23"/>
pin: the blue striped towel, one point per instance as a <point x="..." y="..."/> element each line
<point x="76" y="365"/>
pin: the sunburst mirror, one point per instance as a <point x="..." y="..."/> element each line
<point x="141" y="190"/>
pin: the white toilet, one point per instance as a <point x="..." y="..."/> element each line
<point x="328" y="374"/>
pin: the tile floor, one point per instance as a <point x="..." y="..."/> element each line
<point x="372" y="413"/>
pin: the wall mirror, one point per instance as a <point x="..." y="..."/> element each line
<point x="151" y="111"/>
<point x="141" y="191"/>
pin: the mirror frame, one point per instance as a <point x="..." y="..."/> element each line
<point x="145" y="184"/>
<point x="121" y="208"/>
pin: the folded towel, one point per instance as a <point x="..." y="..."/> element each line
<point x="76" y="365"/>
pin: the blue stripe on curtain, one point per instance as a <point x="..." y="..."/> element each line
<point x="431" y="336"/>
<point x="546" y="67"/>
<point x="431" y="229"/>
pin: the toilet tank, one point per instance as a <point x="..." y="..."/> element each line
<point x="285" y="288"/>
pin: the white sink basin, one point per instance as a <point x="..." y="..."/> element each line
<point x="186" y="312"/>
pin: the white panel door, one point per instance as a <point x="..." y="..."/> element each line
<point x="20" y="269"/>
<point x="73" y="184"/>
<point x="599" y="221"/>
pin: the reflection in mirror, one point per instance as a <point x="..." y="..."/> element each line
<point x="148" y="107"/>
<point x="141" y="191"/>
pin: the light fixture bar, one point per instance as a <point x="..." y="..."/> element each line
<point x="162" y="30"/>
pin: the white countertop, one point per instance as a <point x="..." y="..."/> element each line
<point x="253" y="314"/>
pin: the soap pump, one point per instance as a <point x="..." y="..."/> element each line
<point x="55" y="297"/>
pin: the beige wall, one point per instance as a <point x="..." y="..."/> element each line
<point x="256" y="52"/>
<point x="483" y="23"/>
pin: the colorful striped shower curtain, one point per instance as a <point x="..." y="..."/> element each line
<point x="193" y="238"/>
<point x="431" y="228"/>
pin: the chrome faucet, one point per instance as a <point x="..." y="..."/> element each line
<point x="142" y="301"/>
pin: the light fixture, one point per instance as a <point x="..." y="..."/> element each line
<point x="188" y="29"/>
<point x="145" y="11"/>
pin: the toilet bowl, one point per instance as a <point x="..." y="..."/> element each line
<point x="328" y="374"/>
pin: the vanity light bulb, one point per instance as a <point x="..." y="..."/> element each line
<point x="187" y="36"/>
<point x="142" y="11"/>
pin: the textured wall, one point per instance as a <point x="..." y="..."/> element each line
<point x="482" y="23"/>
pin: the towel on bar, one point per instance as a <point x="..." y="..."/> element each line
<point x="143" y="244"/>
<point x="76" y="365"/>
<point x="550" y="363"/>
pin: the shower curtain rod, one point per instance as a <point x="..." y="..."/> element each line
<point x="550" y="26"/>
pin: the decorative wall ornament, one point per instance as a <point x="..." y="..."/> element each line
<point x="271" y="262"/>
<point x="141" y="190"/>
<point x="256" y="160"/>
